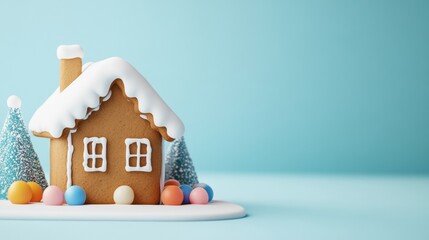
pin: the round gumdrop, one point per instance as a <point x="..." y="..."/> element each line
<point x="75" y="195"/>
<point x="53" y="196"/>
<point x="199" y="196"/>
<point x="172" y="195"/>
<point x="37" y="192"/>
<point x="171" y="182"/>
<point x="186" y="189"/>
<point x="207" y="188"/>
<point x="19" y="193"/>
<point x="123" y="195"/>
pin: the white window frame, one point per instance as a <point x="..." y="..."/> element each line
<point x="138" y="155"/>
<point x="93" y="156"/>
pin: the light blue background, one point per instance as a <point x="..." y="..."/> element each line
<point x="287" y="86"/>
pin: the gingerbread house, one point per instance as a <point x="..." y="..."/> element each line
<point x="106" y="127"/>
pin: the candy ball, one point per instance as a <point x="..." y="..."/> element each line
<point x="186" y="189"/>
<point x="53" y="196"/>
<point x="37" y="192"/>
<point x="75" y="195"/>
<point x="171" y="182"/>
<point x="172" y="195"/>
<point x="19" y="193"/>
<point x="207" y="188"/>
<point x="199" y="196"/>
<point x="123" y="195"/>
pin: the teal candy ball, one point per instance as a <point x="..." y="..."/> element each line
<point x="186" y="189"/>
<point x="208" y="189"/>
<point x="75" y="195"/>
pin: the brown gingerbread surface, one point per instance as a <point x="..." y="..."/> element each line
<point x="116" y="120"/>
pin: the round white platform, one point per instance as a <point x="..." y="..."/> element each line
<point x="216" y="210"/>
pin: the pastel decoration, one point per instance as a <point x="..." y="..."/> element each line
<point x="19" y="193"/>
<point x="186" y="189"/>
<point x="199" y="196"/>
<point x="53" y="196"/>
<point x="14" y="102"/>
<point x="172" y="195"/>
<point x="37" y="192"/>
<point x="171" y="182"/>
<point x="123" y="195"/>
<point x="207" y="188"/>
<point x="179" y="164"/>
<point x="18" y="160"/>
<point x="75" y="195"/>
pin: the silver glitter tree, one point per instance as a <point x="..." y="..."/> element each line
<point x="179" y="164"/>
<point x="18" y="160"/>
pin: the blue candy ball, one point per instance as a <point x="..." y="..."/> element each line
<point x="186" y="189"/>
<point x="208" y="189"/>
<point x="75" y="195"/>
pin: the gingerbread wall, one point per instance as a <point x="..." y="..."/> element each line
<point x="58" y="162"/>
<point x="116" y="120"/>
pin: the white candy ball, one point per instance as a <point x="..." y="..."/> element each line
<point x="123" y="195"/>
<point x="14" y="102"/>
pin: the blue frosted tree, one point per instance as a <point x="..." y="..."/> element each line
<point x="179" y="164"/>
<point x="18" y="160"/>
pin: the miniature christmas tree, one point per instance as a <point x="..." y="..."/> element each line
<point x="18" y="160"/>
<point x="179" y="164"/>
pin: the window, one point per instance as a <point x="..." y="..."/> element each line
<point x="94" y="154"/>
<point x="138" y="155"/>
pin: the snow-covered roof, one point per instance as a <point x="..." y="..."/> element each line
<point x="61" y="110"/>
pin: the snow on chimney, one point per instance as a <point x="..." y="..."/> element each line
<point x="70" y="57"/>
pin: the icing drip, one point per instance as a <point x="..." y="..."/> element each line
<point x="138" y="155"/>
<point x="107" y="97"/>
<point x="98" y="107"/>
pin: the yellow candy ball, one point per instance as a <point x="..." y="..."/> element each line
<point x="37" y="191"/>
<point x="19" y="193"/>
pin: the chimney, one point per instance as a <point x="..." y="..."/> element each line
<point x="70" y="57"/>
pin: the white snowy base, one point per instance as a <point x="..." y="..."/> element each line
<point x="216" y="210"/>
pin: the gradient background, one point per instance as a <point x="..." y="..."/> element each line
<point x="284" y="86"/>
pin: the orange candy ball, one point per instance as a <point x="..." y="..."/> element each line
<point x="19" y="193"/>
<point x="171" y="182"/>
<point x="172" y="195"/>
<point x="37" y="191"/>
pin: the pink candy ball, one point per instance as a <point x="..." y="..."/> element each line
<point x="53" y="196"/>
<point x="199" y="196"/>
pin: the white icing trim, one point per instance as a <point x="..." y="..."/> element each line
<point x="98" y="107"/>
<point x="70" y="149"/>
<point x="62" y="109"/>
<point x="109" y="94"/>
<point x="138" y="155"/>
<point x="161" y="181"/>
<point x="69" y="51"/>
<point x="90" y="112"/>
<point x="143" y="116"/>
<point x="93" y="156"/>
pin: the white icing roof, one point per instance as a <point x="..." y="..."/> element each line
<point x="61" y="110"/>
